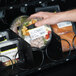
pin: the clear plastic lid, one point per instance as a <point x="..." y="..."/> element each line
<point x="36" y="36"/>
<point x="17" y="23"/>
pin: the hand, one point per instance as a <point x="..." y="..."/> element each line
<point x="48" y="18"/>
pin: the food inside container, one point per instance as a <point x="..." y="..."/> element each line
<point x="62" y="27"/>
<point x="74" y="42"/>
<point x="69" y="37"/>
<point x="36" y="36"/>
<point x="65" y="31"/>
<point x="17" y="23"/>
<point x="9" y="52"/>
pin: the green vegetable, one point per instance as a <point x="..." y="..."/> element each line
<point x="23" y="19"/>
<point x="44" y="40"/>
<point x="26" y="24"/>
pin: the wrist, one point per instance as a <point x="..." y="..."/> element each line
<point x="62" y="16"/>
<point x="67" y="16"/>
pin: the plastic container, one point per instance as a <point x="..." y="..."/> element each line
<point x="8" y="51"/>
<point x="62" y="28"/>
<point x="36" y="36"/>
<point x="65" y="31"/>
<point x="4" y="36"/>
<point x="69" y="37"/>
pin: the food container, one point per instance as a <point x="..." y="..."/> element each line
<point x="62" y="27"/>
<point x="8" y="50"/>
<point x="36" y="36"/>
<point x="65" y="31"/>
<point x="69" y="37"/>
<point x="74" y="42"/>
<point x="4" y="36"/>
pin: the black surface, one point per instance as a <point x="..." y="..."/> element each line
<point x="67" y="69"/>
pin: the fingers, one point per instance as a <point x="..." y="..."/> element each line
<point x="49" y="21"/>
<point x="39" y="14"/>
<point x="42" y="22"/>
<point x="47" y="18"/>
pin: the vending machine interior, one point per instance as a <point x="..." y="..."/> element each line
<point x="17" y="56"/>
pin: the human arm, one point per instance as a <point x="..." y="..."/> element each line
<point x="54" y="18"/>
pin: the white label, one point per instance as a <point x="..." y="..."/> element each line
<point x="37" y="32"/>
<point x="10" y="53"/>
<point x="7" y="43"/>
<point x="64" y="24"/>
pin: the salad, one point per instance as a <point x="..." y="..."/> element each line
<point x="35" y="36"/>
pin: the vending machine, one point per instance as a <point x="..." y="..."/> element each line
<point x="26" y="49"/>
